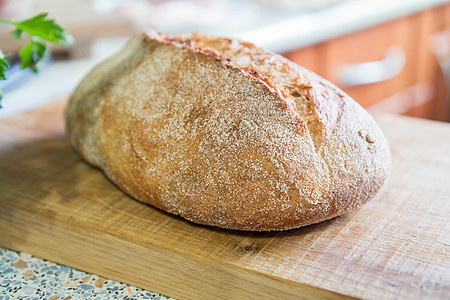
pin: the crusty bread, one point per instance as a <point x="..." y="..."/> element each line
<point x="226" y="134"/>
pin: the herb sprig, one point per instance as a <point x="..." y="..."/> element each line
<point x="41" y="30"/>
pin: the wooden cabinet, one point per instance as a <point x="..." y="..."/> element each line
<point x="390" y="67"/>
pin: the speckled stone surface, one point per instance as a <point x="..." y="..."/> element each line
<point x="23" y="276"/>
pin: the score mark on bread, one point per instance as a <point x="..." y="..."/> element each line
<point x="226" y="134"/>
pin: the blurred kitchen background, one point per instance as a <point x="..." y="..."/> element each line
<point x="389" y="55"/>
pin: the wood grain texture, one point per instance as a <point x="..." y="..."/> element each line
<point x="55" y="206"/>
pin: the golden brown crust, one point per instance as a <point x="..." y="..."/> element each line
<point x="223" y="133"/>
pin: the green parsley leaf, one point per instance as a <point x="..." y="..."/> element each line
<point x="46" y="29"/>
<point x="33" y="54"/>
<point x="17" y="33"/>
<point x="3" y="65"/>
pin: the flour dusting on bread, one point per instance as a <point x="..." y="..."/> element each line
<point x="226" y="134"/>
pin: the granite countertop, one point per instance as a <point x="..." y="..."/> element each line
<point x="24" y="276"/>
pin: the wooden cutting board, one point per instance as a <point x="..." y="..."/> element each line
<point x="55" y="206"/>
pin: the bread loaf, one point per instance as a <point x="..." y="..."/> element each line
<point x="223" y="133"/>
